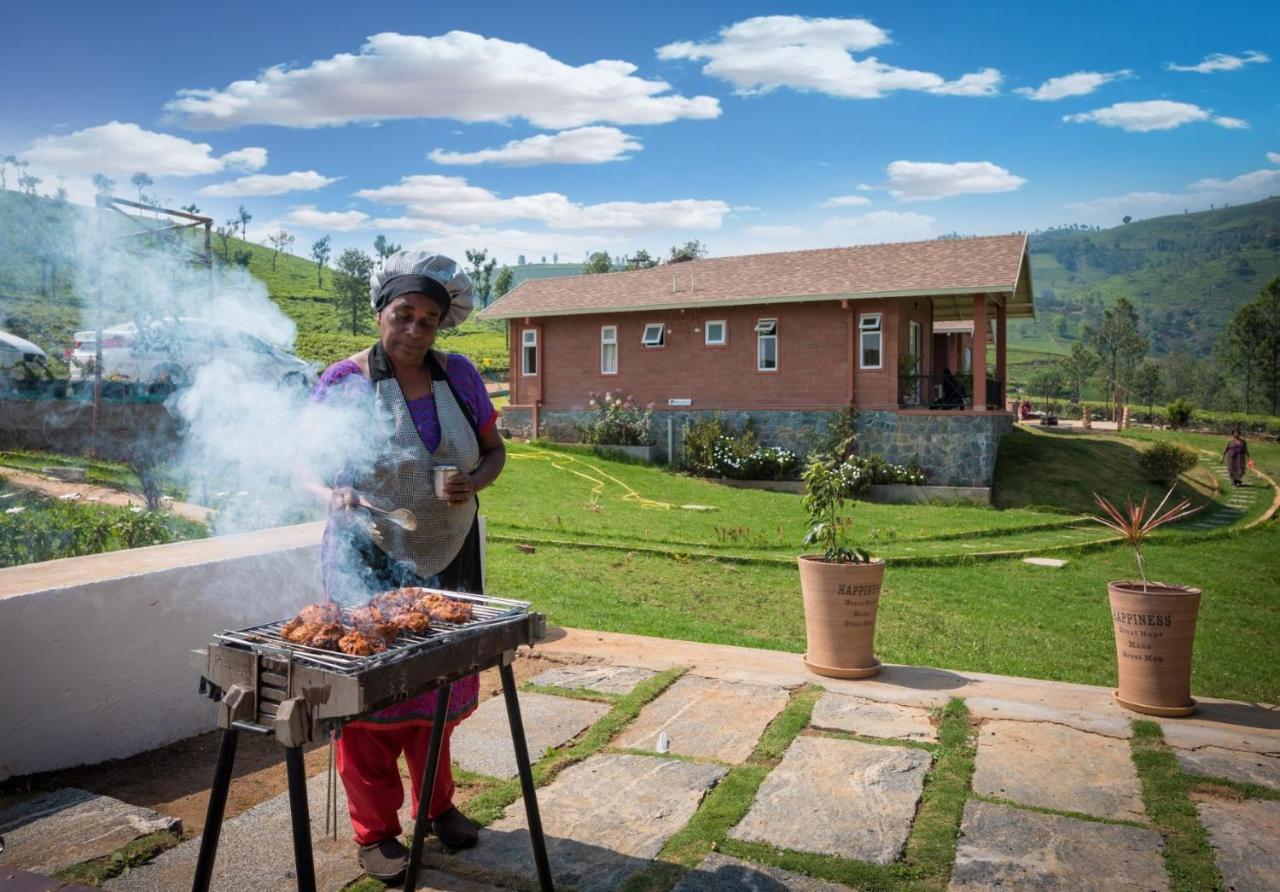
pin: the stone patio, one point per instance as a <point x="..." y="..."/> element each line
<point x="1054" y="802"/>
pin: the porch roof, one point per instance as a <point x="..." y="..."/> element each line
<point x="951" y="271"/>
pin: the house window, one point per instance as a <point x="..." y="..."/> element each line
<point x="654" y="334"/>
<point x="716" y="333"/>
<point x="608" y="349"/>
<point x="766" y="345"/>
<point x="871" y="341"/>
<point x="529" y="351"/>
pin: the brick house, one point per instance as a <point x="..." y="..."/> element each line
<point x="898" y="331"/>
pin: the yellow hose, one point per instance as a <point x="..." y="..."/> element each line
<point x="562" y="461"/>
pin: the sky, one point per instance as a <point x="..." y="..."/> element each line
<point x="559" y="129"/>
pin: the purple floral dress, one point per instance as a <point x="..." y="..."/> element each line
<point x="344" y="381"/>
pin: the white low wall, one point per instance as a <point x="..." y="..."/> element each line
<point x="94" y="651"/>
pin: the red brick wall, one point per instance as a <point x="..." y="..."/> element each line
<point x="813" y="358"/>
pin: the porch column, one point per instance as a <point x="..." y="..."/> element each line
<point x="1001" y="366"/>
<point x="979" y="353"/>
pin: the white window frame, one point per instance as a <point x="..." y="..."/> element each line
<point x="528" y="339"/>
<point x="870" y="324"/>
<point x="654" y="341"/>
<point x="766" y="332"/>
<point x="608" y="338"/>
<point x="724" y="333"/>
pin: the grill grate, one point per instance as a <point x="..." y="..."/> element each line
<point x="266" y="640"/>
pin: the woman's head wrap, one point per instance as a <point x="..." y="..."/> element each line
<point x="436" y="276"/>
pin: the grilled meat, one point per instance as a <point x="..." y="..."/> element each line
<point x="358" y="644"/>
<point x="327" y="636"/>
<point x="366" y="617"/>
<point x="443" y="609"/>
<point x="318" y="614"/>
<point x="413" y="621"/>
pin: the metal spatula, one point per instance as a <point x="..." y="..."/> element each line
<point x="401" y="517"/>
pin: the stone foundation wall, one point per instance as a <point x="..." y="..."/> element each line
<point x="957" y="449"/>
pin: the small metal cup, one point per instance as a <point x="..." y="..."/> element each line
<point x="442" y="475"/>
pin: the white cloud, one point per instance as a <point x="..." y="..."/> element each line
<point x="761" y="54"/>
<point x="930" y="180"/>
<point x="434" y="199"/>
<point x="1156" y="114"/>
<point x="1242" y="189"/>
<point x="123" y="149"/>
<point x="459" y="75"/>
<point x="1079" y="83"/>
<point x="269" y="184"/>
<point x="584" y="145"/>
<point x="309" y="217"/>
<point x="1222" y="62"/>
<point x="870" y="228"/>
<point x="503" y="242"/>
<point x="1273" y="157"/>
<point x="846" y="201"/>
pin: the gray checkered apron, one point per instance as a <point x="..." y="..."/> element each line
<point x="404" y="477"/>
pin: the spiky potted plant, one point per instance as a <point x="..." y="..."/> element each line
<point x="1154" y="622"/>
<point x="840" y="586"/>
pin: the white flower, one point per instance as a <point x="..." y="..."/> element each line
<point x="17" y="510"/>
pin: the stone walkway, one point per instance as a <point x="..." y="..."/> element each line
<point x="686" y="795"/>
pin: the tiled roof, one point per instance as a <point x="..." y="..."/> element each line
<point x="990" y="264"/>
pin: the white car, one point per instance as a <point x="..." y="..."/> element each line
<point x="19" y="357"/>
<point x="173" y="350"/>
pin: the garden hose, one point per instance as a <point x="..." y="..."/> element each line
<point x="597" y="484"/>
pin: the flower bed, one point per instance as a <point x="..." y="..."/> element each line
<point x="615" y="420"/>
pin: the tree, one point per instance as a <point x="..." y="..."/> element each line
<point x="1146" y="384"/>
<point x="1127" y="219"/>
<point x="351" y="282"/>
<point x="280" y="241"/>
<point x="1268" y="334"/>
<point x="384" y="248"/>
<point x="28" y="182"/>
<point x="224" y="234"/>
<point x="103" y="184"/>
<point x="1240" y="350"/>
<point x="320" y="254"/>
<point x="1117" y="342"/>
<point x="1077" y="367"/>
<point x="141" y="181"/>
<point x="191" y="208"/>
<point x="243" y="256"/>
<point x="599" y="262"/>
<point x="520" y="260"/>
<point x="481" y="274"/>
<point x="4" y="163"/>
<point x="641" y="260"/>
<point x="244" y="217"/>
<point x="1048" y="382"/>
<point x="502" y="282"/>
<point x="690" y="250"/>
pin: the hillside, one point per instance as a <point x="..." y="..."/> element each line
<point x="1186" y="274"/>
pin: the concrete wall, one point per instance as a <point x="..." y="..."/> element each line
<point x="67" y="426"/>
<point x="94" y="651"/>
<point x="959" y="449"/>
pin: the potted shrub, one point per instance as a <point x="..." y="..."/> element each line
<point x="840" y="586"/>
<point x="1154" y="622"/>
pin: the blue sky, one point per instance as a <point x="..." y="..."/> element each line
<point x="563" y="128"/>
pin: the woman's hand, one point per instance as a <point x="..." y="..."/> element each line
<point x="343" y="498"/>
<point x="459" y="489"/>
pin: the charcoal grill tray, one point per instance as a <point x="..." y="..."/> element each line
<point x="265" y="639"/>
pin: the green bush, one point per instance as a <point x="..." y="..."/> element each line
<point x="860" y="472"/>
<point x="738" y="459"/>
<point x="1179" y="413"/>
<point x="615" y="420"/>
<point x="700" y="438"/>
<point x="1163" y="462"/>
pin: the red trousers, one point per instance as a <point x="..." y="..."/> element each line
<point x="367" y="764"/>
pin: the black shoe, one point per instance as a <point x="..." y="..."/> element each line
<point x="455" y="830"/>
<point x="386" y="861"/>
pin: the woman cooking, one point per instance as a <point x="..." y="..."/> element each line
<point x="430" y="410"/>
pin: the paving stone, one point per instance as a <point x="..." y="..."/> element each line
<point x="71" y="826"/>
<point x="255" y="851"/>
<point x="1003" y="847"/>
<point x="870" y="718"/>
<point x="483" y="742"/>
<point x="1034" y="763"/>
<point x="838" y="797"/>
<point x="1248" y="768"/>
<point x="605" y="679"/>
<point x="708" y="718"/>
<point x="604" y="819"/>
<point x="1045" y="562"/>
<point x="720" y="873"/>
<point x="1246" y="840"/>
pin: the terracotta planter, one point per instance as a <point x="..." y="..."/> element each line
<point x="840" y="602"/>
<point x="1155" y="630"/>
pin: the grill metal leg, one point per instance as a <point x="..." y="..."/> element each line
<point x="423" y="821"/>
<point x="536" y="837"/>
<point x="304" y="866"/>
<point x="217" y="807"/>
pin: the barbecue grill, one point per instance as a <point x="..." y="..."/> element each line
<point x="267" y="685"/>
